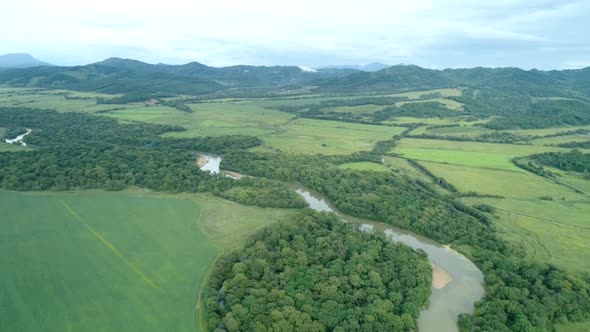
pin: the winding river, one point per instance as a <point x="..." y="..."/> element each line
<point x="457" y="282"/>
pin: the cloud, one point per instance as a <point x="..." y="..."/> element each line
<point x="305" y="32"/>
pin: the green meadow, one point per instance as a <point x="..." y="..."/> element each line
<point x="124" y="261"/>
<point x="547" y="218"/>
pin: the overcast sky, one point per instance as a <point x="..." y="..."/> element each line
<point x="544" y="34"/>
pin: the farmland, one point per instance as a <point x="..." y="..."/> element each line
<point x="525" y="214"/>
<point x="113" y="261"/>
<point x="150" y="244"/>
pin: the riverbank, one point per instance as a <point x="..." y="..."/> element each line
<point x="457" y="283"/>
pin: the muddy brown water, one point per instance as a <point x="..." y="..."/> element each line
<point x="464" y="282"/>
<point x="459" y="294"/>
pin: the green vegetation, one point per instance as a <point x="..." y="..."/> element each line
<point x="5" y="147"/>
<point x="92" y="247"/>
<point x="365" y="166"/>
<point x="535" y="291"/>
<point x="570" y="161"/>
<point x="148" y="250"/>
<point x="467" y="167"/>
<point x="317" y="273"/>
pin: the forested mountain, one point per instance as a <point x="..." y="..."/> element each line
<point x="409" y="77"/>
<point x="126" y="76"/>
<point x="116" y="75"/>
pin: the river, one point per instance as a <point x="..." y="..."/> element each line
<point x="457" y="282"/>
<point x="452" y="296"/>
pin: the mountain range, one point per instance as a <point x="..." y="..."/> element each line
<point x="116" y="75"/>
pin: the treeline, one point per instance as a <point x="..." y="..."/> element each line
<point x="316" y="273"/>
<point x="579" y="145"/>
<point x="436" y="179"/>
<point x="521" y="295"/>
<point x="51" y="128"/>
<point x="545" y="114"/>
<point x="427" y="109"/>
<point x="264" y="193"/>
<point x="133" y="97"/>
<point x="494" y="137"/>
<point x="573" y="160"/>
<point x="77" y="151"/>
<point x="372" y="195"/>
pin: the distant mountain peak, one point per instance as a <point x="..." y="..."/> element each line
<point x="20" y="60"/>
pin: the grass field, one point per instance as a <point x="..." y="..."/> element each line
<point x="310" y="136"/>
<point x="277" y="129"/>
<point x="561" y="139"/>
<point x="365" y="166"/>
<point x="478" y="154"/>
<point x="448" y="103"/>
<point x="112" y="261"/>
<point x="552" y="231"/>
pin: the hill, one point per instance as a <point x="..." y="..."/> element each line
<point x="20" y="60"/>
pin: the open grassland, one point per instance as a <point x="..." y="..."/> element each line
<point x="54" y="99"/>
<point x="549" y="219"/>
<point x="277" y="129"/>
<point x="546" y="131"/>
<point x="477" y="154"/>
<point x="218" y="119"/>
<point x="316" y="99"/>
<point x="112" y="261"/>
<point x="551" y="141"/>
<point x="507" y="183"/>
<point x="365" y="166"/>
<point x="448" y="103"/>
<point x="310" y="136"/>
<point x="551" y="230"/>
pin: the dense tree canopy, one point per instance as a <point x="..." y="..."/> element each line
<point x="574" y="160"/>
<point x="318" y="274"/>
<point x="521" y="295"/>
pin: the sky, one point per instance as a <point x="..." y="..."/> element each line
<point x="543" y="34"/>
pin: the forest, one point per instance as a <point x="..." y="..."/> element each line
<point x="316" y="273"/>
<point x="77" y="151"/>
<point x="521" y="295"/>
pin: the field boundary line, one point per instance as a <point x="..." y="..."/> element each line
<point x="542" y="219"/>
<point x="109" y="245"/>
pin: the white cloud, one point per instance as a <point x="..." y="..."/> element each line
<point x="304" y="32"/>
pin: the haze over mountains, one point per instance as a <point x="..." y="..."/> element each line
<point x="20" y="60"/>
